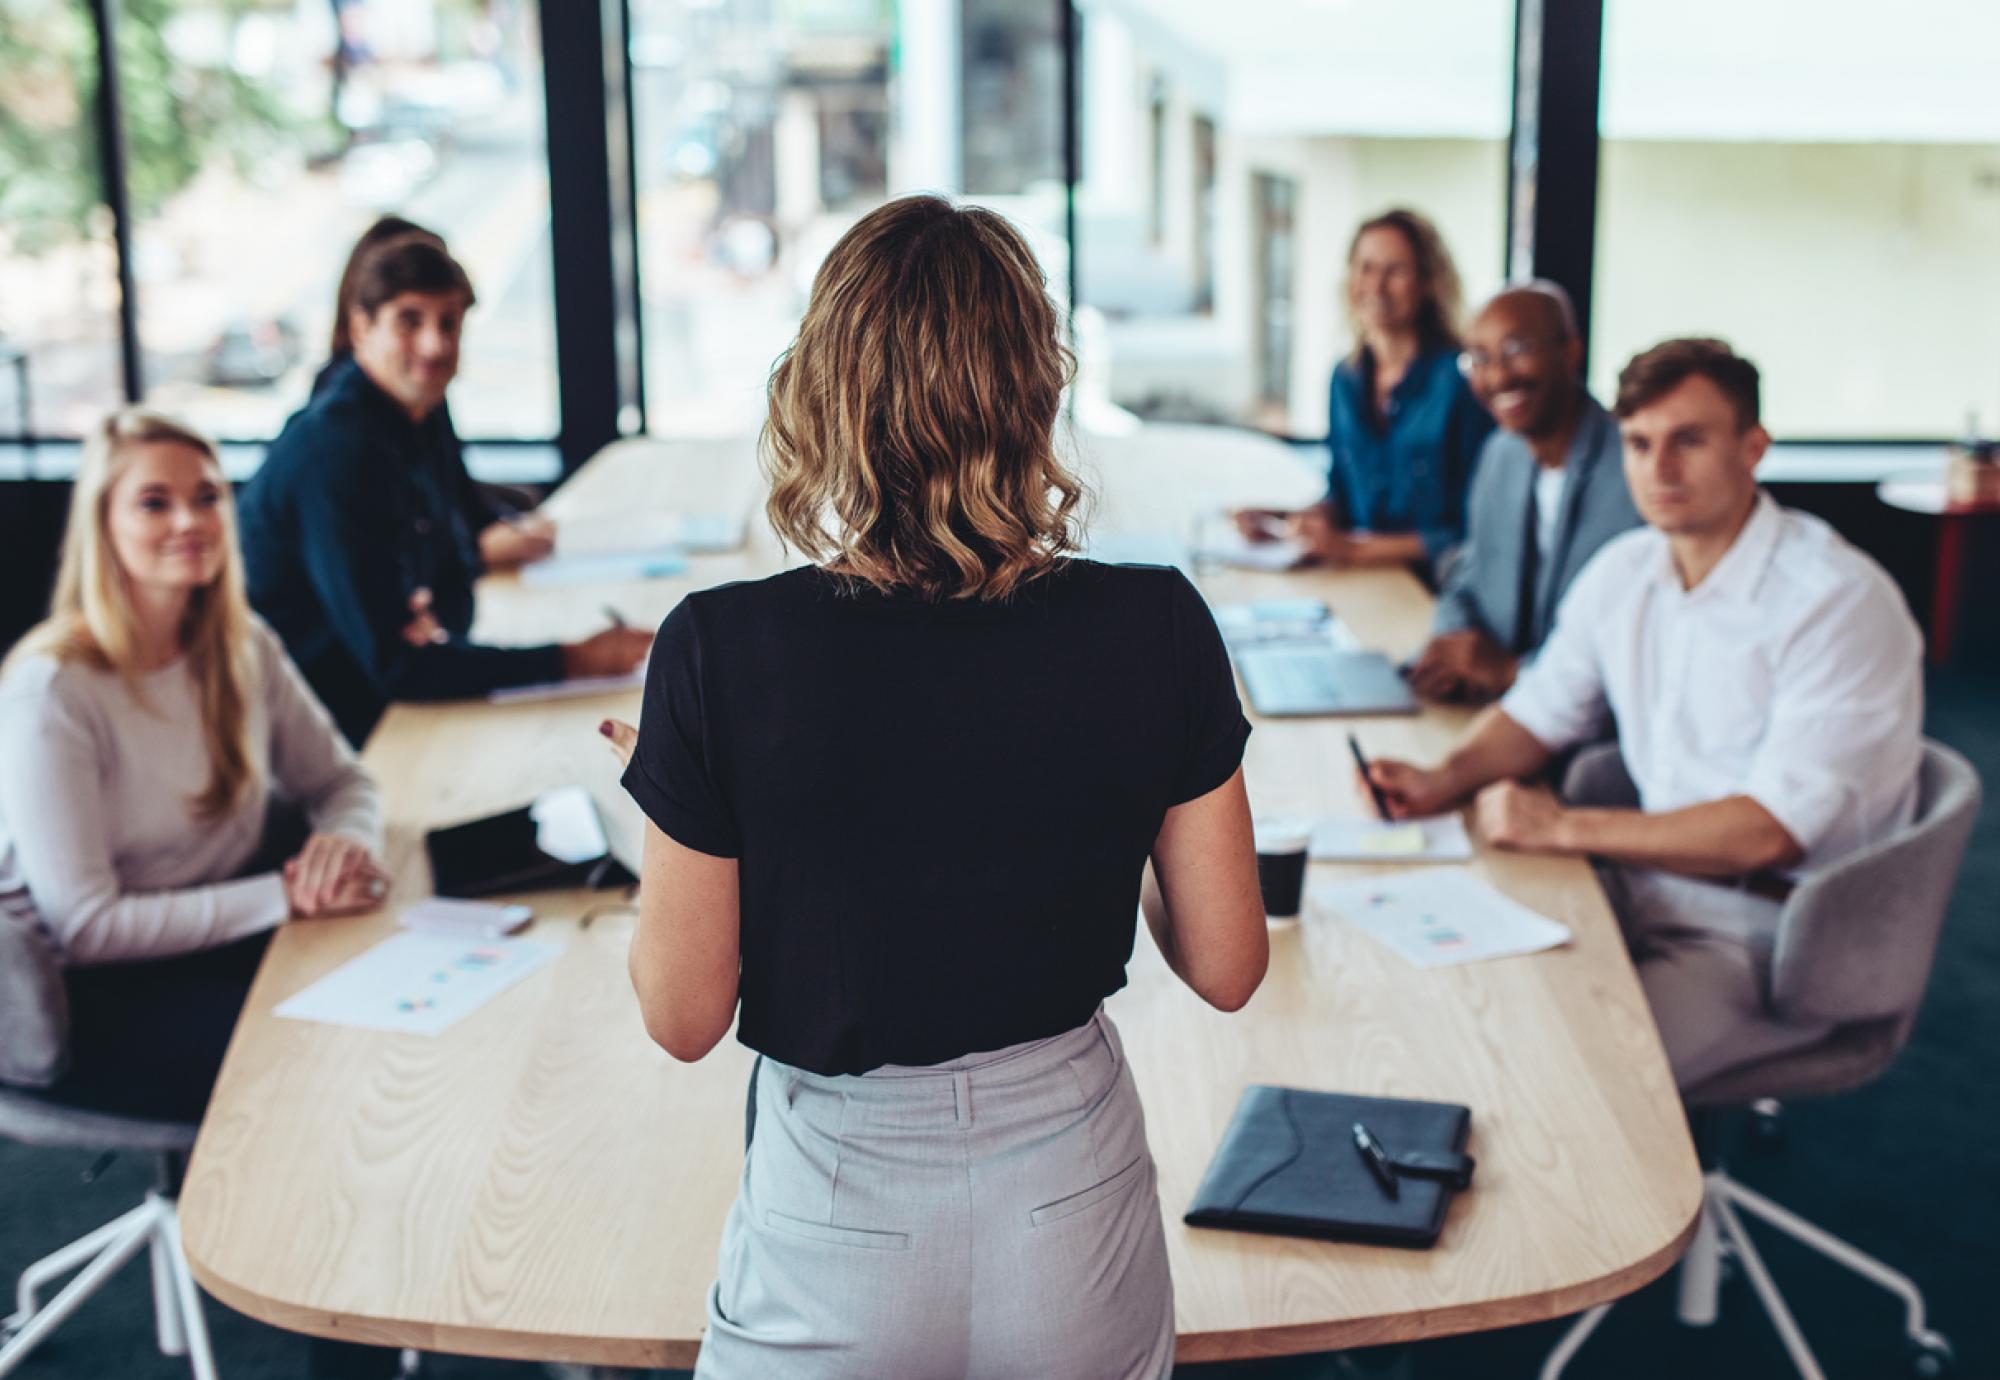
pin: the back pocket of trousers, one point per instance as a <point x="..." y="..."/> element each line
<point x="1114" y="1187"/>
<point x="836" y="1236"/>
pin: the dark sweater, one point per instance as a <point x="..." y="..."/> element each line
<point x="354" y="509"/>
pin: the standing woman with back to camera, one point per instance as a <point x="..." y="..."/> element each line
<point x="902" y="801"/>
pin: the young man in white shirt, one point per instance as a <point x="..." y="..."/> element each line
<point x="1765" y="680"/>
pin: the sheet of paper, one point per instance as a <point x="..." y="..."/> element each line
<point x="569" y="689"/>
<point x="1282" y="620"/>
<point x="1227" y="546"/>
<point x="604" y="568"/>
<point x="649" y="533"/>
<point x="418" y="984"/>
<point x="1438" y="839"/>
<point x="1439" y="916"/>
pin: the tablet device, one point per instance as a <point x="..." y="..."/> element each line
<point x="556" y="840"/>
<point x="1289" y="679"/>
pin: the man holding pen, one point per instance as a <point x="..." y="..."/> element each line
<point x="1764" y="678"/>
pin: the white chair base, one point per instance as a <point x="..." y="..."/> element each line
<point x="1720" y="1235"/>
<point x="154" y="1227"/>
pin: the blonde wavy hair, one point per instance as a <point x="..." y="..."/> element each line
<point x="910" y="440"/>
<point x="91" y="616"/>
<point x="1437" y="276"/>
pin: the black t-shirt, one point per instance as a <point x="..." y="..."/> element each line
<point x="941" y="810"/>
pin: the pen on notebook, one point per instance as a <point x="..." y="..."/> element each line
<point x="1376" y="1158"/>
<point x="1381" y="803"/>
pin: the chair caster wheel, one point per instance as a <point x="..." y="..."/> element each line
<point x="1931" y="1356"/>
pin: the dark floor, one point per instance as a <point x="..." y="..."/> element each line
<point x="1905" y="1169"/>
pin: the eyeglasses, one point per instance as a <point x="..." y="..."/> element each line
<point x="1512" y="348"/>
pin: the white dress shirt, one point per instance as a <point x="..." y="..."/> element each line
<point x="1792" y="674"/>
<point x="1549" y="485"/>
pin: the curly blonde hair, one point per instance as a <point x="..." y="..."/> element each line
<point x="910" y="441"/>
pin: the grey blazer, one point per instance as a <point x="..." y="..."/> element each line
<point x="1483" y="589"/>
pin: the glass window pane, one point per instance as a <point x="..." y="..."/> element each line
<point x="1228" y="153"/>
<point x="58" y="270"/>
<point x="263" y="137"/>
<point x="765" y="128"/>
<point x="1824" y="195"/>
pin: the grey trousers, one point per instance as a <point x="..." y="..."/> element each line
<point x="992" y="1218"/>
<point x="1703" y="952"/>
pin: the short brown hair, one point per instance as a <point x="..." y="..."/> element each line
<point x="416" y="262"/>
<point x="910" y="440"/>
<point x="1654" y="373"/>
<point x="374" y="237"/>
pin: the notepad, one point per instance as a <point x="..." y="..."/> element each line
<point x="1438" y="839"/>
<point x="1438" y="917"/>
<point x="417" y="984"/>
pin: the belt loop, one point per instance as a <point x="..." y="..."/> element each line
<point x="961" y="1092"/>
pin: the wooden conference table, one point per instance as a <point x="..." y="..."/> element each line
<point x="541" y="1182"/>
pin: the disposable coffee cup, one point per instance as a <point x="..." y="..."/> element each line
<point x="1281" y="865"/>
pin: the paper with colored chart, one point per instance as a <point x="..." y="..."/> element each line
<point x="1441" y="838"/>
<point x="418" y="984"/>
<point x="1439" y="916"/>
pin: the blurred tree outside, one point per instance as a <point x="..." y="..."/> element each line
<point x="178" y="116"/>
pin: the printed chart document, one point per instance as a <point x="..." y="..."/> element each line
<point x="418" y="984"/>
<point x="1282" y="620"/>
<point x="1440" y="916"/>
<point x="1441" y="838"/>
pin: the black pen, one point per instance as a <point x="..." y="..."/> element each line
<point x="1376" y="1158"/>
<point x="1381" y="802"/>
<point x="616" y="620"/>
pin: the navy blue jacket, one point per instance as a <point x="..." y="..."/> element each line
<point x="354" y="509"/>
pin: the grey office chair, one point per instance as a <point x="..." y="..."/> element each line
<point x="33" y="1030"/>
<point x="1838" y="958"/>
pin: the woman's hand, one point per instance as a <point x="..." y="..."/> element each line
<point x="333" y="875"/>
<point x="623" y="739"/>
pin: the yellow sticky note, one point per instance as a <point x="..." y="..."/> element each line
<point x="1399" y="841"/>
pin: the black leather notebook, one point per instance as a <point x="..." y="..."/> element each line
<point x="1288" y="1164"/>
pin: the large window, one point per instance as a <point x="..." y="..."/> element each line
<point x="1823" y="194"/>
<point x="58" y="270"/>
<point x="765" y="128"/>
<point x="262" y="138"/>
<point x="1229" y="151"/>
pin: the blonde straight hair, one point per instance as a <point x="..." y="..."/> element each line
<point x="91" y="618"/>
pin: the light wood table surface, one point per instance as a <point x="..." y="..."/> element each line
<point x="540" y="1181"/>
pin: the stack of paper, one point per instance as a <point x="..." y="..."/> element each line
<point x="1437" y="917"/>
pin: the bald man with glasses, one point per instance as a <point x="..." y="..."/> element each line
<point x="1549" y="490"/>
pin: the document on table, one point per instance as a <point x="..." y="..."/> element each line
<point x="1282" y="620"/>
<point x="650" y="533"/>
<point x="1441" y="838"/>
<point x="1230" y="547"/>
<point x="579" y="688"/>
<point x="1438" y="917"/>
<point x="604" y="567"/>
<point x="417" y="984"/>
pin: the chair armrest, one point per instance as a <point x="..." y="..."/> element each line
<point x="34" y="1007"/>
<point x="1597" y="777"/>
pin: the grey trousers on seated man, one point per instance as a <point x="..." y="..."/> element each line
<point x="1703" y="952"/>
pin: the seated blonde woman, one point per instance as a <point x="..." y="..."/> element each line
<point x="902" y="801"/>
<point x="147" y="725"/>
